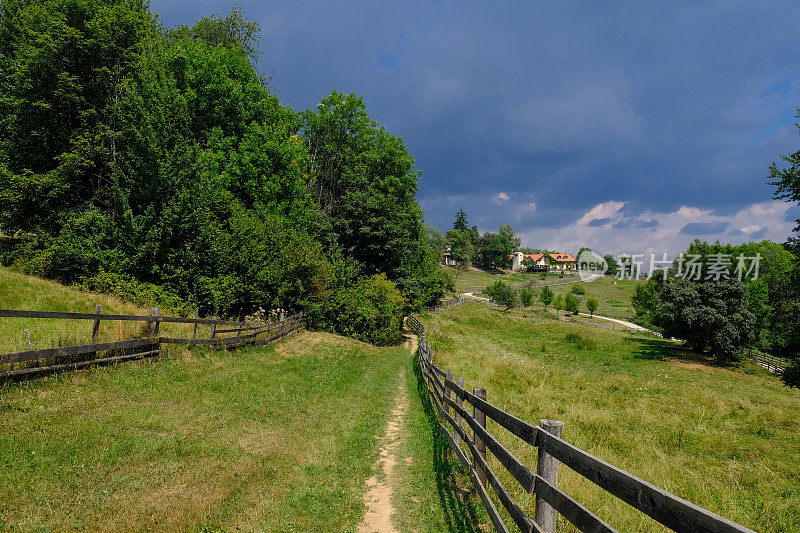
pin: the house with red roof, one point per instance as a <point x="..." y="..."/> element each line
<point x="542" y="262"/>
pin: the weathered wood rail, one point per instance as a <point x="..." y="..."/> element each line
<point x="464" y="429"/>
<point x="774" y="364"/>
<point x="454" y="301"/>
<point x="63" y="358"/>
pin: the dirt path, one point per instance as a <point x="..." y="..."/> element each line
<point x="379" y="496"/>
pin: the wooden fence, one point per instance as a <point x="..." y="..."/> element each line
<point x="776" y="365"/>
<point x="448" y="396"/>
<point x="234" y="335"/>
<point x="456" y="300"/>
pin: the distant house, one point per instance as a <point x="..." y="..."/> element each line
<point x="447" y="257"/>
<point x="561" y="262"/>
<point x="518" y="260"/>
<point x="541" y="262"/>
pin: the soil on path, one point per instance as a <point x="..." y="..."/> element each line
<point x="379" y="496"/>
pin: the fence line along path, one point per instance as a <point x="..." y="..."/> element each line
<point x="232" y="335"/>
<point x="466" y="431"/>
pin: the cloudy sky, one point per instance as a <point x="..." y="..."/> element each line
<point x="626" y="126"/>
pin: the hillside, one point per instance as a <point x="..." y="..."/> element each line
<point x="275" y="438"/>
<point x="726" y="439"/>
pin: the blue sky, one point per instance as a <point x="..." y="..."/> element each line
<point x="627" y="126"/>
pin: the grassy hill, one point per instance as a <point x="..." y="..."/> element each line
<point x="727" y="439"/>
<point x="476" y="279"/>
<point x="278" y="438"/>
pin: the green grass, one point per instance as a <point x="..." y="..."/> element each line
<point x="475" y="279"/>
<point x="614" y="299"/>
<point x="727" y="439"/>
<point x="280" y="438"/>
<point x="19" y="291"/>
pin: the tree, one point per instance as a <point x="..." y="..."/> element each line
<point x="591" y="305"/>
<point x="504" y="294"/>
<point x="613" y="266"/>
<point x="526" y="297"/>
<point x="495" y="248"/>
<point x="546" y="296"/>
<point x="708" y="314"/>
<point x="461" y="221"/>
<point x="558" y="303"/>
<point x="461" y="247"/>
<point x="787" y="179"/>
<point x="572" y="303"/>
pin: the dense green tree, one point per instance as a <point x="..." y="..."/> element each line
<point x="461" y="221"/>
<point x="572" y="303"/>
<point x="612" y="265"/>
<point x="526" y="297"/>
<point x="546" y="296"/>
<point x="591" y="305"/>
<point x="504" y="294"/>
<point x="494" y="249"/>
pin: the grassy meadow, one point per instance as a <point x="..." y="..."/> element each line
<point x="727" y="439"/>
<point x="614" y="299"/>
<point x="280" y="438"/>
<point x="19" y="291"/>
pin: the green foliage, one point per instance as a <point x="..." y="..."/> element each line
<point x="791" y="376"/>
<point x="493" y="249"/>
<point x="526" y="297"/>
<point x="579" y="341"/>
<point x="461" y="247"/>
<point x="559" y="303"/>
<point x="141" y="294"/>
<point x="161" y="156"/>
<point x="461" y="221"/>
<point x="591" y="305"/>
<point x="572" y="303"/>
<point x="370" y="310"/>
<point x="707" y="314"/>
<point x="546" y="296"/>
<point x="613" y="266"/>
<point x="503" y="294"/>
<point x="578" y="289"/>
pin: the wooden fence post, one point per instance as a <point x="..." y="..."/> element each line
<point x="155" y="324"/>
<point x="28" y="338"/>
<point x="196" y="315"/>
<point x="447" y="391"/>
<point x="460" y="383"/>
<point x="480" y="418"/>
<point x="96" y="326"/>
<point x="214" y="327"/>
<point x="547" y="469"/>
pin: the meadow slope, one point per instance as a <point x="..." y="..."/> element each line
<point x="727" y="439"/>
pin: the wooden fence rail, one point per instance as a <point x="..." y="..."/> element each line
<point x="774" y="364"/>
<point x="52" y="359"/>
<point x="449" y="396"/>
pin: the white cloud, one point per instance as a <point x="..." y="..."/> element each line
<point x="604" y="210"/>
<point x="501" y="197"/>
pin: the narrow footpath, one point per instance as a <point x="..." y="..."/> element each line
<point x="379" y="497"/>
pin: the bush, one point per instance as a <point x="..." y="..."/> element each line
<point x="370" y="310"/>
<point x="546" y="296"/>
<point x="578" y="289"/>
<point x="791" y="376"/>
<point x="137" y="292"/>
<point x="591" y="305"/>
<point x="503" y="294"/>
<point x="572" y="304"/>
<point x="579" y="341"/>
<point x="526" y="297"/>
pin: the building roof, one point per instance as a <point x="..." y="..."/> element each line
<point x="562" y="257"/>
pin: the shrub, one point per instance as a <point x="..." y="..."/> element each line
<point x="572" y="304"/>
<point x="591" y="305"/>
<point x="579" y="341"/>
<point x="578" y="289"/>
<point x="370" y="310"/>
<point x="791" y="376"/>
<point x="137" y="292"/>
<point x="504" y="294"/>
<point x="546" y="296"/>
<point x="558" y="303"/>
<point x="526" y="297"/>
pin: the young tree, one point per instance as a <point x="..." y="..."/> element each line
<point x="558" y="303"/>
<point x="504" y="294"/>
<point x="591" y="305"/>
<point x="546" y="296"/>
<point x="526" y="297"/>
<point x="572" y="304"/>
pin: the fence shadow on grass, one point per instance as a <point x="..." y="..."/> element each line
<point x="460" y="511"/>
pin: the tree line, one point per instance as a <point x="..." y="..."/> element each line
<point x="133" y="153"/>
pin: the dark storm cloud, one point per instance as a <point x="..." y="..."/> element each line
<point x="561" y="105"/>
